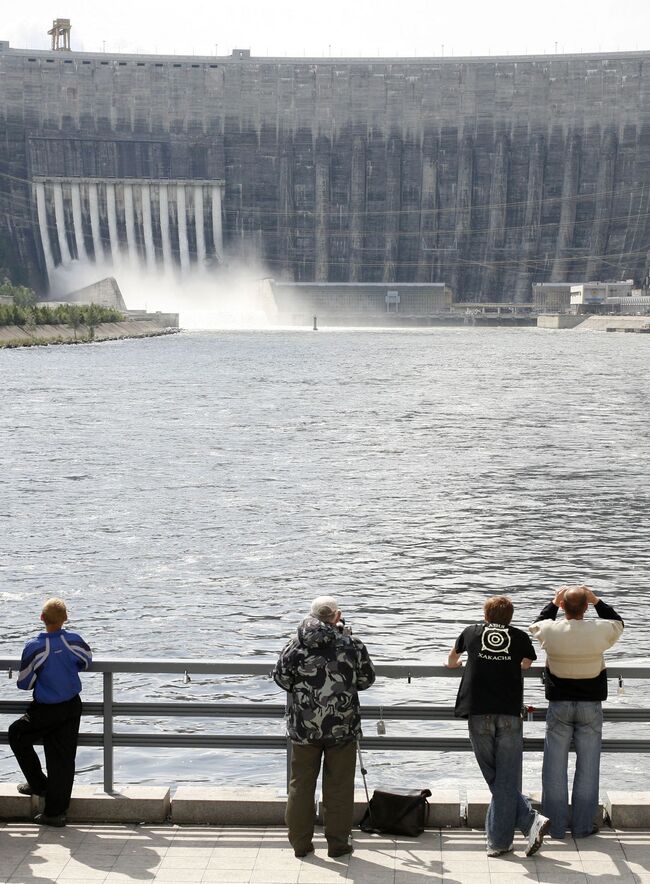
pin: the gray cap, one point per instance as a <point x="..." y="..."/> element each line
<point x="324" y="608"/>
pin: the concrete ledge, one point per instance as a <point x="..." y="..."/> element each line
<point x="13" y="805"/>
<point x="130" y="804"/>
<point x="478" y="801"/>
<point x="227" y="807"/>
<point x="559" y="320"/>
<point x="209" y="805"/>
<point x="628" y="810"/>
<point x="444" y="812"/>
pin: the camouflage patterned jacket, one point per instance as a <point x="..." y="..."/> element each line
<point x="323" y="670"/>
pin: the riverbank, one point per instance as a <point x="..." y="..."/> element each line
<point x="44" y="335"/>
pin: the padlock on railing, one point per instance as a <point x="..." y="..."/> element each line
<point x="381" y="724"/>
<point x="621" y="687"/>
<point x="529" y="713"/>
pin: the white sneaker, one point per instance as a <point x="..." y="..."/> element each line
<point x="494" y="851"/>
<point x="539" y="828"/>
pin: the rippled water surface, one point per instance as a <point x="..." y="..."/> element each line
<point x="189" y="495"/>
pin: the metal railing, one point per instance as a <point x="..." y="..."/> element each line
<point x="108" y="710"/>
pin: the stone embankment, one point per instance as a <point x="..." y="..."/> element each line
<point x="22" y="336"/>
<point x="212" y="805"/>
<point x="594" y="323"/>
<point x="614" y="323"/>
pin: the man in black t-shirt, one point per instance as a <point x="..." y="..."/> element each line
<point x="490" y="697"/>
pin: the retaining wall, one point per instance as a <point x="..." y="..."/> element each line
<point x="16" y="336"/>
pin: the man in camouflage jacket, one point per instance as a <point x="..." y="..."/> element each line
<point x="323" y="669"/>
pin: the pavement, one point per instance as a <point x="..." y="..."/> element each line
<point x="212" y="855"/>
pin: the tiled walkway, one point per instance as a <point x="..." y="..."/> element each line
<point x="115" y="853"/>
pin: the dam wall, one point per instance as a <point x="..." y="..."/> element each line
<point x="483" y="173"/>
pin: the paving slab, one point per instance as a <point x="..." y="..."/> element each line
<point x="114" y="854"/>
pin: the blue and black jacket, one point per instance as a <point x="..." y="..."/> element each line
<point x="50" y="665"/>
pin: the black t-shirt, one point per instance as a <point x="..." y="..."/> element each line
<point x="492" y="682"/>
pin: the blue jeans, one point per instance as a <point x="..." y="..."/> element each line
<point x="582" y="722"/>
<point x="498" y="746"/>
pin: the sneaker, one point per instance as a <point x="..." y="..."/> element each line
<point x="498" y="851"/>
<point x="340" y="851"/>
<point x="26" y="789"/>
<point x="539" y="828"/>
<point x="304" y="851"/>
<point x="42" y="819"/>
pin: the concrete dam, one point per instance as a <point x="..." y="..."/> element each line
<point x="482" y="173"/>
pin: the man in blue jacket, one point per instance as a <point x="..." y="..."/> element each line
<point x="50" y="667"/>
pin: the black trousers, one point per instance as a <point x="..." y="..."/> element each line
<point x="56" y="726"/>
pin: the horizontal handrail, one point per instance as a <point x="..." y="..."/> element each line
<point x="158" y="740"/>
<point x="410" y="712"/>
<point x="238" y="666"/>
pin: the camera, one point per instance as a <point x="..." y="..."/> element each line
<point x="341" y="626"/>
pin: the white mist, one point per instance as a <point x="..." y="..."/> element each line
<point x="235" y="297"/>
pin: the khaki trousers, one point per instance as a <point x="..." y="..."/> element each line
<point x="339" y="762"/>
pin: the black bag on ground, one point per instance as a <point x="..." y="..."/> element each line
<point x="403" y="812"/>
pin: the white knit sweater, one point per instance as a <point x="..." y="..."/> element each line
<point x="574" y="648"/>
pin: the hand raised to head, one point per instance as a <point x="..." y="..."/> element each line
<point x="559" y="596"/>
<point x="592" y="598"/>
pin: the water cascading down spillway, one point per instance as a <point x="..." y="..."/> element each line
<point x="94" y="222"/>
<point x="136" y="220"/>
<point x="59" y="214"/>
<point x="163" y="198"/>
<point x="112" y="223"/>
<point x="43" y="229"/>
<point x="78" y="223"/>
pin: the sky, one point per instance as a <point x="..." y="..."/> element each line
<point x="335" y="27"/>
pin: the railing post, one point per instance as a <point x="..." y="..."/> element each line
<point x="108" y="732"/>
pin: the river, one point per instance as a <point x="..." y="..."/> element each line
<point x="189" y="495"/>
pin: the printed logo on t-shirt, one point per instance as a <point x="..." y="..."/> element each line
<point x="495" y="641"/>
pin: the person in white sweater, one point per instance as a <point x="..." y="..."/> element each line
<point x="576" y="684"/>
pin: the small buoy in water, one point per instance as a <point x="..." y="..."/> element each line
<point x="315" y="323"/>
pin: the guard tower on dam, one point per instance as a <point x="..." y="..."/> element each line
<point x="486" y="174"/>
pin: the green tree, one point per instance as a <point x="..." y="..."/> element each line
<point x="75" y="317"/>
<point x="94" y="315"/>
<point x="22" y="296"/>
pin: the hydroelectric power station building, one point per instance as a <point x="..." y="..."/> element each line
<point x="482" y="173"/>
